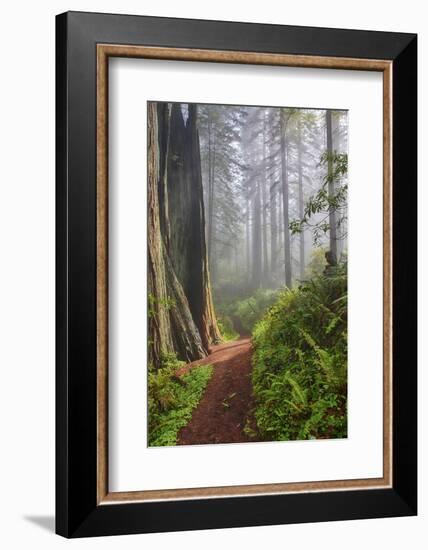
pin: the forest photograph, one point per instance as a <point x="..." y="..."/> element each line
<point x="247" y="273"/>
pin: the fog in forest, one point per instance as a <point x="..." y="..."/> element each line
<point x="264" y="171"/>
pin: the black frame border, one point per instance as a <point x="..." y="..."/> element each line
<point x="77" y="512"/>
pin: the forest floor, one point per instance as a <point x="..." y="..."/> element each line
<point x="225" y="409"/>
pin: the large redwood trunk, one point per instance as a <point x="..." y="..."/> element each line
<point x="181" y="317"/>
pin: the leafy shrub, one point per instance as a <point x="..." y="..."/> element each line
<point x="317" y="263"/>
<point x="245" y="312"/>
<point x="300" y="362"/>
<point x="225" y="325"/>
<point x="251" y="309"/>
<point x="173" y="398"/>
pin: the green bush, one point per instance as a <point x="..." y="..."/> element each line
<point x="300" y="362"/>
<point x="317" y="263"/>
<point x="244" y="313"/>
<point x="227" y="330"/>
<point x="172" y="399"/>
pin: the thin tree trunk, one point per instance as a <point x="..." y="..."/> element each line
<point x="301" y="205"/>
<point x="280" y="240"/>
<point x="212" y="248"/>
<point x="331" y="191"/>
<point x="264" y="209"/>
<point x="257" y="243"/>
<point x="248" y="236"/>
<point x="284" y="174"/>
<point x="210" y="187"/>
<point x="273" y="230"/>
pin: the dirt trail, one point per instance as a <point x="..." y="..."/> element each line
<point x="222" y="413"/>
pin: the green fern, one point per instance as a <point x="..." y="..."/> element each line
<point x="300" y="362"/>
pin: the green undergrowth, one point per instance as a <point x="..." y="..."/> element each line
<point x="227" y="331"/>
<point x="300" y="362"/>
<point x="239" y="315"/>
<point x="173" y="398"/>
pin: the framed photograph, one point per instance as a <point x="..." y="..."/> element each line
<point x="236" y="274"/>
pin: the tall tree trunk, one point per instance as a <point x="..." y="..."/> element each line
<point x="211" y="191"/>
<point x="257" y="242"/>
<point x="210" y="188"/>
<point x="284" y="174"/>
<point x="202" y="307"/>
<point x="181" y="315"/>
<point x="301" y="204"/>
<point x="248" y="236"/>
<point x="163" y="125"/>
<point x="280" y="226"/>
<point x="331" y="191"/>
<point x="273" y="230"/>
<point x="337" y="145"/>
<point x="212" y="242"/>
<point x="171" y="326"/>
<point x="264" y="209"/>
<point x="159" y="321"/>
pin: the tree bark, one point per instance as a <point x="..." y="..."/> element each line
<point x="202" y="306"/>
<point x="160" y="340"/>
<point x="181" y="317"/>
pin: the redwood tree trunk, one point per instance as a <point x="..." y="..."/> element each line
<point x="181" y="314"/>
<point x="159" y="320"/>
<point x="199" y="293"/>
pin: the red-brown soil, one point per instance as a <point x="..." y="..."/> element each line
<point x="225" y="408"/>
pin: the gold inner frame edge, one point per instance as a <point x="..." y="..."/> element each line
<point x="104" y="51"/>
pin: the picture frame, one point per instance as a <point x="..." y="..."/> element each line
<point x="84" y="44"/>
